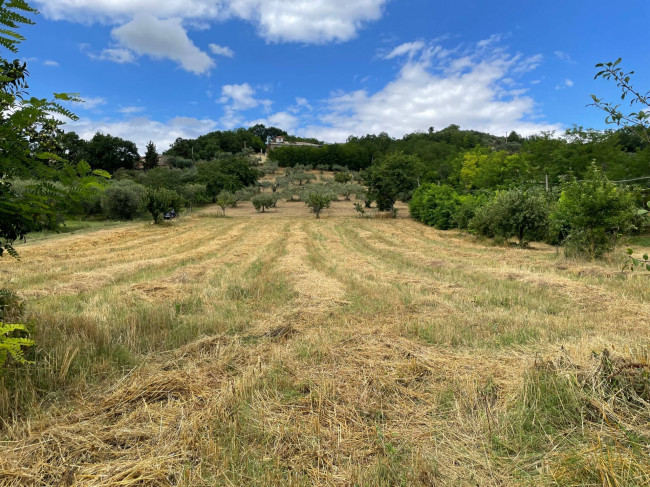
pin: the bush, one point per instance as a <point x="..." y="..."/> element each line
<point x="159" y="201"/>
<point x="592" y="214"/>
<point x="438" y="206"/>
<point x="122" y="200"/>
<point x="264" y="201"/>
<point x="468" y="205"/>
<point x="443" y="207"/>
<point x="517" y="213"/>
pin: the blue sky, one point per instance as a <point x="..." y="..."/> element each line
<point x="157" y="70"/>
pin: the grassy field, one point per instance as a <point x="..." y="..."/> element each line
<point x="278" y="349"/>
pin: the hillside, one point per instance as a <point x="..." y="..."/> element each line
<point x="278" y="349"/>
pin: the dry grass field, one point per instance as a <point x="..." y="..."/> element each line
<point x="276" y="350"/>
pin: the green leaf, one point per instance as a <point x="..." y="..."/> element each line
<point x="630" y="251"/>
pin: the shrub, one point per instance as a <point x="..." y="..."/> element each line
<point x="468" y="205"/>
<point x="443" y="207"/>
<point x="159" y="201"/>
<point x="264" y="201"/>
<point x="592" y="214"/>
<point x="517" y="213"/>
<point x="122" y="200"/>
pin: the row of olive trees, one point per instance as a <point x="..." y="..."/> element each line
<point x="587" y="216"/>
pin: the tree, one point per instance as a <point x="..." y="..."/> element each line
<point x="151" y="156"/>
<point x="224" y="200"/>
<point x="343" y="177"/>
<point x="517" y="213"/>
<point x="194" y="195"/>
<point x="393" y="177"/>
<point x="592" y="214"/>
<point x="264" y="201"/>
<point x="23" y="118"/>
<point x="111" y="153"/>
<point x="318" y="202"/>
<point x="159" y="201"/>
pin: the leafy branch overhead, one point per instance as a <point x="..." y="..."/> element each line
<point x="611" y="71"/>
<point x="28" y="128"/>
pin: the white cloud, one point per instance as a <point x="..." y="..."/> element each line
<point x="141" y="130"/>
<point x="218" y="50"/>
<point x="312" y="21"/>
<point x="120" y="11"/>
<point x="90" y="103"/>
<point x="567" y="84"/>
<point x="116" y="55"/>
<point x="51" y="63"/>
<point x="410" y="48"/>
<point x="283" y="120"/>
<point x="239" y="98"/>
<point x="563" y="56"/>
<point x="476" y="90"/>
<point x="130" y="110"/>
<point x="148" y="35"/>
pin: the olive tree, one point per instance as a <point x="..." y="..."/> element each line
<point x="158" y="201"/>
<point x="224" y="200"/>
<point x="264" y="201"/>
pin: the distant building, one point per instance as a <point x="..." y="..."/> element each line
<point x="163" y="161"/>
<point x="278" y="141"/>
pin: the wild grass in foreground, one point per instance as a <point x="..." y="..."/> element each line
<point x="343" y="351"/>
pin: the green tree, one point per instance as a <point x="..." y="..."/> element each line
<point x="392" y="178"/>
<point x="111" y="153"/>
<point x="151" y="156"/>
<point x="159" y="201"/>
<point x="519" y="213"/>
<point x="592" y="214"/>
<point x="264" y="201"/>
<point x="318" y="202"/>
<point x="21" y="118"/>
<point x="194" y="195"/>
<point x="224" y="200"/>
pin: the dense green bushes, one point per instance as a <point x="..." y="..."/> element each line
<point x="519" y="213"/>
<point x="123" y="200"/>
<point x="588" y="218"/>
<point x="443" y="207"/>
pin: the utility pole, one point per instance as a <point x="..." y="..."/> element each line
<point x="547" y="188"/>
